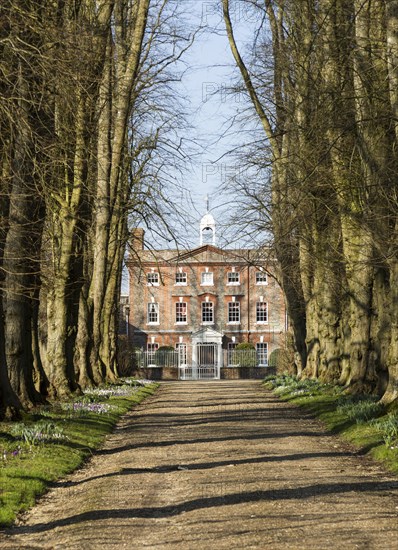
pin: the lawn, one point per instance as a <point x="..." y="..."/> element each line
<point x="359" y="419"/>
<point x="53" y="441"/>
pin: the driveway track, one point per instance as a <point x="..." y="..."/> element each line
<point x="217" y="465"/>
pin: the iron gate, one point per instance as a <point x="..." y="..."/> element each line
<point x="204" y="365"/>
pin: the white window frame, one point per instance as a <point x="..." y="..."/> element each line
<point x="155" y="276"/>
<point x="262" y="354"/>
<point x="209" y="306"/>
<point x="207" y="278"/>
<point x="262" y="307"/>
<point x="233" y="275"/>
<point x="181" y="275"/>
<point x="182" y="350"/>
<point x="230" y="354"/>
<point x="234" y="312"/>
<point x="261" y="278"/>
<point x="152" y="348"/>
<point x="180" y="306"/>
<point x="153" y="313"/>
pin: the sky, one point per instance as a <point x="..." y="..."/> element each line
<point x="210" y="70"/>
<point x="206" y="84"/>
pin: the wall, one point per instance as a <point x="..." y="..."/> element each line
<point x="230" y="373"/>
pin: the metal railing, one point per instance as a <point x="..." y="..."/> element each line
<point x="162" y="358"/>
<point x="245" y="358"/>
<point x="174" y="358"/>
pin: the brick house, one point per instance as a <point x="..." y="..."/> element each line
<point x="202" y="303"/>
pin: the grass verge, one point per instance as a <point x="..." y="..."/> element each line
<point x="52" y="442"/>
<point x="358" y="419"/>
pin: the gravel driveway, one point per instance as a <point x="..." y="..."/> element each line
<point x="217" y="465"/>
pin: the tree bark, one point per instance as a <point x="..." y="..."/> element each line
<point x="286" y="241"/>
<point x="21" y="254"/>
<point x="112" y="147"/>
<point x="85" y="59"/>
<point x="391" y="393"/>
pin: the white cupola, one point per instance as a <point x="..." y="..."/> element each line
<point x="207" y="227"/>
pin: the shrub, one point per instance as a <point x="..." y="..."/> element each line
<point x="245" y="355"/>
<point x="126" y="356"/>
<point x="245" y="345"/>
<point x="275" y="358"/>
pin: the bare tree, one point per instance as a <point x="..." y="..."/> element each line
<point x="78" y="78"/>
<point x="328" y="121"/>
<point x="277" y="133"/>
<point x="28" y="133"/>
<point x="79" y="61"/>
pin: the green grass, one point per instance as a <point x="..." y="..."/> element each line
<point x="359" y="419"/>
<point x="51" y="443"/>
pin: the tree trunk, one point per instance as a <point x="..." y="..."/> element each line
<point x="10" y="404"/>
<point x="284" y="223"/>
<point x="82" y="362"/>
<point x="358" y="252"/>
<point x="75" y="133"/>
<point x="391" y="393"/>
<point x="21" y="254"/>
<point x="39" y="376"/>
<point x="112" y="181"/>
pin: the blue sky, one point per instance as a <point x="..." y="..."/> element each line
<point x="210" y="70"/>
<point x="206" y="84"/>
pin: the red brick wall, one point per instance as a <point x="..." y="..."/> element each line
<point x="167" y="294"/>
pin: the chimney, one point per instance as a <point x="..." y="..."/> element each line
<point x="137" y="239"/>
